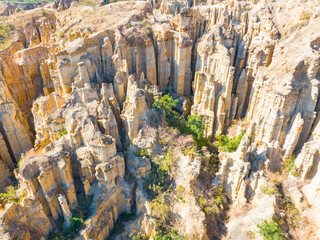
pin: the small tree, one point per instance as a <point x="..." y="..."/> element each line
<point x="270" y="230"/>
<point x="290" y="166"/>
<point x="229" y="144"/>
<point x="166" y="103"/>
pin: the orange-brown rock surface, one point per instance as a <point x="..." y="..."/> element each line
<point x="78" y="81"/>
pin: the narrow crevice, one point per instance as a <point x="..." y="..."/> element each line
<point x="6" y="140"/>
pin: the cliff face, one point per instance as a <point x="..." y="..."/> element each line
<point x="77" y="89"/>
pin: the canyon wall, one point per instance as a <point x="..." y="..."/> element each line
<point x="76" y="104"/>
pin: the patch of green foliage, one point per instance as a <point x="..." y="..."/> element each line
<point x="212" y="206"/>
<point x="193" y="125"/>
<point x="20" y="162"/>
<point x="293" y="214"/>
<point x="210" y="166"/>
<point x="160" y="209"/>
<point x="10" y="195"/>
<point x="190" y="150"/>
<point x="306" y="16"/>
<point x="159" y="179"/>
<point x="142" y="153"/>
<point x="166" y="103"/>
<point x="77" y="222"/>
<point x="61" y="133"/>
<point x="167" y="163"/>
<point x="268" y="190"/>
<point x="172" y="235"/>
<point x="228" y="144"/>
<point x="290" y="167"/>
<point x="140" y="237"/>
<point x="43" y="12"/>
<point x="270" y="230"/>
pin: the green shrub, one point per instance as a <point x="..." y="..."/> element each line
<point x="167" y="163"/>
<point x="293" y="215"/>
<point x="180" y="189"/>
<point x="158" y="181"/>
<point x="119" y="228"/>
<point x="212" y="206"/>
<point x="77" y="222"/>
<point x="43" y="12"/>
<point x="190" y="150"/>
<point x="290" y="166"/>
<point x="193" y="125"/>
<point x="142" y="153"/>
<point x="229" y="144"/>
<point x="196" y="128"/>
<point x="11" y="195"/>
<point x="61" y="133"/>
<point x="268" y="190"/>
<point x="159" y="208"/>
<point x="140" y="237"/>
<point x="166" y="103"/>
<point x="306" y="16"/>
<point x="270" y="230"/>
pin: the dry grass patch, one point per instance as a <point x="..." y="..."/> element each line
<point x="7" y="34"/>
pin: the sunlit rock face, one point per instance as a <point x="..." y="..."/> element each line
<point x="77" y="86"/>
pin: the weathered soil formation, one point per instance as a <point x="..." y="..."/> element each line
<point x="160" y="119"/>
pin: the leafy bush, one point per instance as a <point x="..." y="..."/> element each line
<point x="294" y="218"/>
<point x="119" y="228"/>
<point x="290" y="166"/>
<point x="212" y="206"/>
<point x="166" y="103"/>
<point x="77" y="222"/>
<point x="270" y="230"/>
<point x="229" y="144"/>
<point x="268" y="190"/>
<point x="196" y="128"/>
<point x="157" y="181"/>
<point x="193" y="125"/>
<point x="140" y="237"/>
<point x="190" y="150"/>
<point x="43" y="12"/>
<point x="306" y="16"/>
<point x="11" y="195"/>
<point x="61" y="133"/>
<point x="159" y="208"/>
<point x="180" y="189"/>
<point x="166" y="163"/>
<point x="142" y="153"/>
